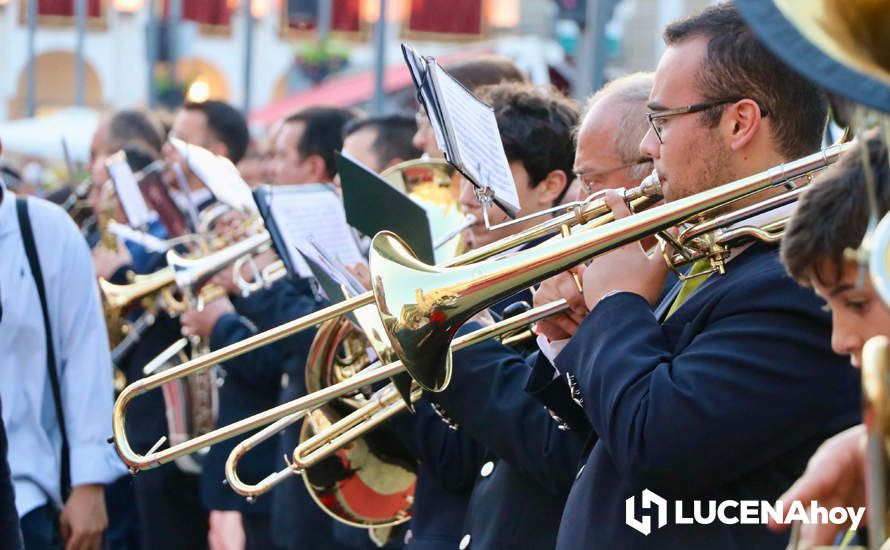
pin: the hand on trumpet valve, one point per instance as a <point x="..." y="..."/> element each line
<point x="561" y="325"/>
<point x="201" y="323"/>
<point x="629" y="268"/>
<point x="107" y="261"/>
<point x="835" y="477"/>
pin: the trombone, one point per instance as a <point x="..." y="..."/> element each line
<point x="383" y="405"/>
<point x="420" y="323"/>
<point x="593" y="212"/>
<point x="409" y="335"/>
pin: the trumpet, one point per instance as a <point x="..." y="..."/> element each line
<point x="383" y="405"/>
<point x="592" y="213"/>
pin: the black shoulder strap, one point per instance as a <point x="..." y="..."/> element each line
<point x="31" y="251"/>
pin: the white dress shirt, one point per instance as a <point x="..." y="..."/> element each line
<point x="82" y="353"/>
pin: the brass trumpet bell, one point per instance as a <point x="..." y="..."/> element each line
<point x="119" y="296"/>
<point x="841" y="45"/>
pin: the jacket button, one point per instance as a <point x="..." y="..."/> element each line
<point x="487" y="468"/>
<point x="464" y="542"/>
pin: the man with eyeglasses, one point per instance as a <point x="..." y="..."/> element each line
<point x="720" y="389"/>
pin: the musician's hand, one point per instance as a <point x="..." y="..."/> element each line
<point x="226" y="531"/>
<point x="83" y="519"/>
<point x="226" y="280"/>
<point x="226" y="277"/>
<point x="835" y="476"/>
<point x="107" y="262"/>
<point x="625" y="269"/>
<point x="361" y="273"/>
<point x="201" y="323"/>
<point x="561" y="325"/>
<point x="484" y="318"/>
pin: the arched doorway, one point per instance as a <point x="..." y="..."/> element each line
<point x="56" y="85"/>
<point x="202" y="80"/>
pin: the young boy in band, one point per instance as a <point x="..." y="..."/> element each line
<point x="831" y="218"/>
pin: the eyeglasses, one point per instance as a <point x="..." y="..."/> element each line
<point x="656" y="119"/>
<point x="587" y="179"/>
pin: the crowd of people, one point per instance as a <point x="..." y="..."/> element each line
<point x="695" y="385"/>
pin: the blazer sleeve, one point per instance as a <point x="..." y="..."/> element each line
<point x="449" y="453"/>
<point x="552" y="390"/>
<point x="487" y="398"/>
<point x="264" y="365"/>
<point x="757" y="374"/>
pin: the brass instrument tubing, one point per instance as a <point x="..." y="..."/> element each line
<point x="298" y="408"/>
<point x="596" y="211"/>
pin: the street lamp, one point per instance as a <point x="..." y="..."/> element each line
<point x="126" y="6"/>
<point x="502" y="14"/>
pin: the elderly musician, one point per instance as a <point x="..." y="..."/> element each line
<point x="832" y="217"/>
<point x="530" y="457"/>
<point x="721" y="388"/>
<point x="450" y="457"/>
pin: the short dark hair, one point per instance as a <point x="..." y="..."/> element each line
<point x="323" y="133"/>
<point x="832" y="215"/>
<point x="393" y="136"/>
<point x="485" y="70"/>
<point x="536" y="125"/>
<point x="738" y="64"/>
<point x="226" y="124"/>
<point x="135" y="128"/>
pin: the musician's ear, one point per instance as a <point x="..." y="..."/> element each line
<point x="316" y="169"/>
<point x="550" y="189"/>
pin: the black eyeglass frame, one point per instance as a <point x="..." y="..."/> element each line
<point x="695" y="108"/>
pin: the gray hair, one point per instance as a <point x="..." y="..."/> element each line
<point x="632" y="92"/>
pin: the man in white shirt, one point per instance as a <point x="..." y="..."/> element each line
<point x="84" y="372"/>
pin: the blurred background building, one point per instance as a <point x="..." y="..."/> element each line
<point x="69" y="60"/>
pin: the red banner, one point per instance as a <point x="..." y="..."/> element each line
<point x="66" y="8"/>
<point x="303" y="15"/>
<point x="446" y="16"/>
<point x="209" y="12"/>
<point x="206" y="12"/>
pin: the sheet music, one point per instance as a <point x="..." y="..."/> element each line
<point x="334" y="268"/>
<point x="127" y="189"/>
<point x="419" y="68"/>
<point x="474" y="132"/>
<point x="218" y="174"/>
<point x="313" y="212"/>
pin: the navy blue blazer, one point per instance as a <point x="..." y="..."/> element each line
<point x="725" y="399"/>
<point x="448" y="462"/>
<point x="251" y="383"/>
<point x="520" y="490"/>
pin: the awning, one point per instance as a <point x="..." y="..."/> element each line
<point x="42" y="136"/>
<point x="347" y="90"/>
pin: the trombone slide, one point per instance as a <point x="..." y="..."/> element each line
<point x="386" y="404"/>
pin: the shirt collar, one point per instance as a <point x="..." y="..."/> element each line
<point x="8" y="219"/>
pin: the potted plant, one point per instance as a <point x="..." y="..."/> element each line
<point x="320" y="59"/>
